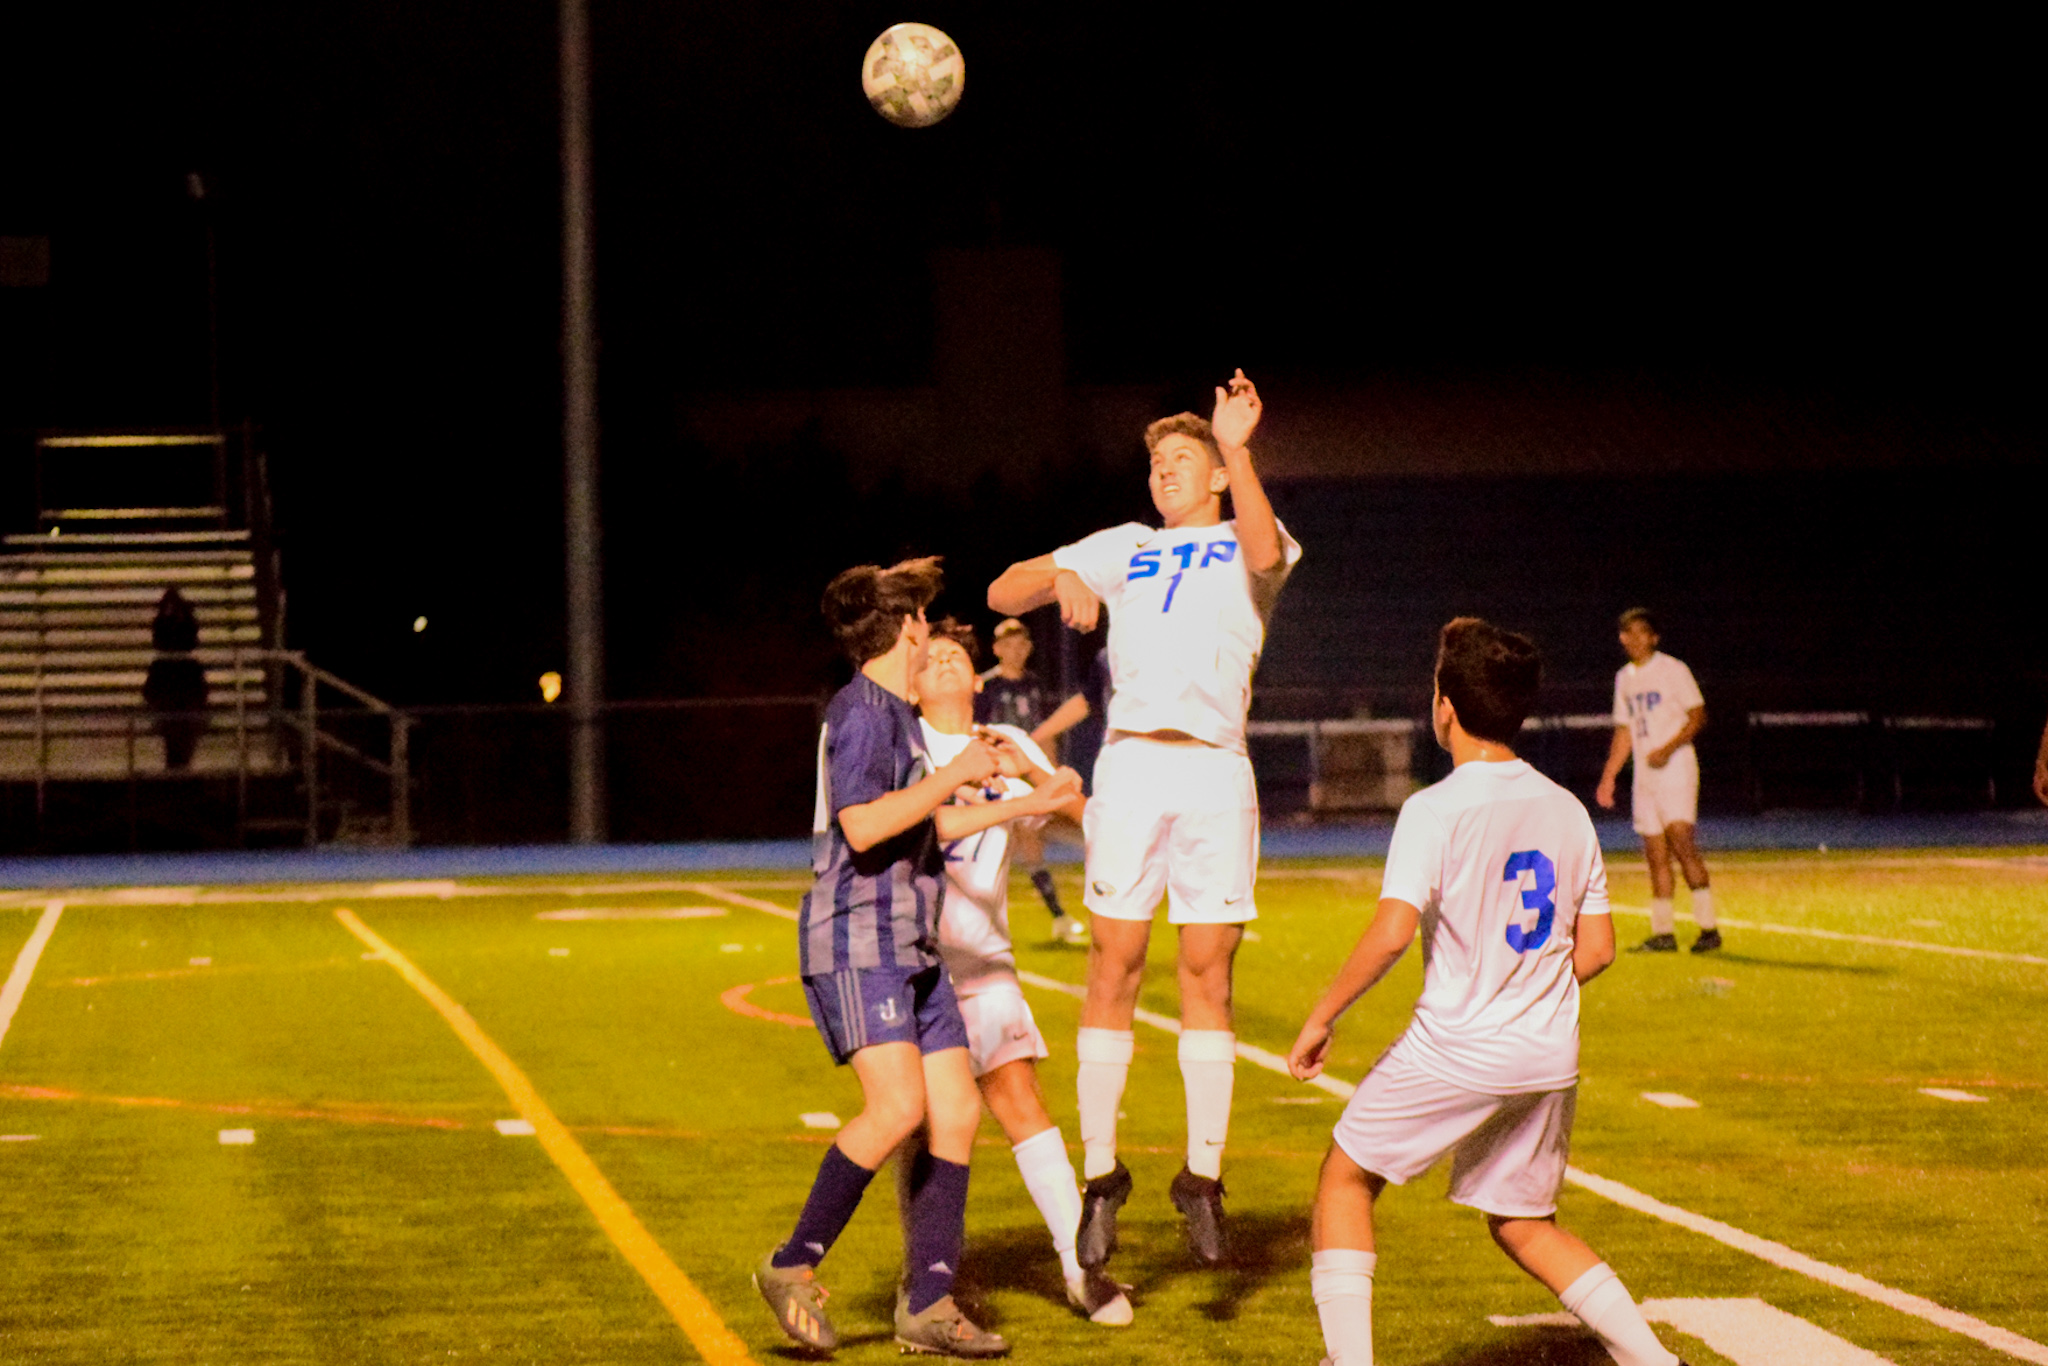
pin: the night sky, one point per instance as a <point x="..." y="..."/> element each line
<point x="1832" y="214"/>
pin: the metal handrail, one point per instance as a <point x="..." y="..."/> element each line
<point x="396" y="769"/>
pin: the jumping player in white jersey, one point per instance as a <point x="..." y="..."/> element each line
<point x="1500" y="869"/>
<point x="1174" y="808"/>
<point x="1003" y="1041"/>
<point x="1657" y="711"/>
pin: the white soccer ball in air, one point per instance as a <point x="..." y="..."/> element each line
<point x="913" y="75"/>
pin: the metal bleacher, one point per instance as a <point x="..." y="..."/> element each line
<point x="75" y="615"/>
<point x="121" y="519"/>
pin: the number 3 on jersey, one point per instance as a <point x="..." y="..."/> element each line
<point x="1541" y="898"/>
<point x="1145" y="564"/>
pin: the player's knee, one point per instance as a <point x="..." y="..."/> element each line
<point x="896" y="1115"/>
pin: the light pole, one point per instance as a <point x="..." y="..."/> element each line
<point x="579" y="439"/>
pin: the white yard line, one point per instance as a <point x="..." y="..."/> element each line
<point x="1876" y="940"/>
<point x="1785" y="1258"/>
<point x="25" y="965"/>
<point x="1777" y="1254"/>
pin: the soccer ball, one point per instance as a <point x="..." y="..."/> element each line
<point x="913" y="75"/>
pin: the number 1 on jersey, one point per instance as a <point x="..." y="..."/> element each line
<point x="1171" y="585"/>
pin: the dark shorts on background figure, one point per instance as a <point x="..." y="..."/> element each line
<point x="856" y="1007"/>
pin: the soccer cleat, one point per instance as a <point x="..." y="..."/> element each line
<point x="1100" y="1200"/>
<point x="1708" y="941"/>
<point x="1068" y="930"/>
<point x="1100" y="1298"/>
<point x="798" y="1300"/>
<point x="1200" y="1201"/>
<point x="1658" y="943"/>
<point x="942" y="1330"/>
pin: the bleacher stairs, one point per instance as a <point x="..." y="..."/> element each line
<point x="75" y="613"/>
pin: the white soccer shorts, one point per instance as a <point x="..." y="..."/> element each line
<point x="1508" y="1152"/>
<point x="1177" y="818"/>
<point x="1000" y="1028"/>
<point x="1669" y="795"/>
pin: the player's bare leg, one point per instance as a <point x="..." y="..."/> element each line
<point x="1013" y="1097"/>
<point x="1341" y="1271"/>
<point x="935" y="1197"/>
<point x="1663" y="920"/>
<point x="1103" y="1048"/>
<point x="1585" y="1284"/>
<point x="1687" y="851"/>
<point x="1208" y="1069"/>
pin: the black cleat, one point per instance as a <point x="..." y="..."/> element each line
<point x="1708" y="941"/>
<point x="1100" y="1200"/>
<point x="1658" y="943"/>
<point x="1200" y="1201"/>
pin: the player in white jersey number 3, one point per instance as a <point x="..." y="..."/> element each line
<point x="1174" y="809"/>
<point x="1501" y="870"/>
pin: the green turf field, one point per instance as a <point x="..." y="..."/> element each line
<point x="380" y="1216"/>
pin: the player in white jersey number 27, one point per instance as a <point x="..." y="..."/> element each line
<point x="1657" y="712"/>
<point x="1501" y="870"/>
<point x="1174" y="809"/>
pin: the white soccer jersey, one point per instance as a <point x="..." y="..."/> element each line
<point x="1186" y="624"/>
<point x="1501" y="862"/>
<point x="1652" y="701"/>
<point x="974" y="926"/>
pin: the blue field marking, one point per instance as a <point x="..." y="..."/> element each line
<point x="1717" y="834"/>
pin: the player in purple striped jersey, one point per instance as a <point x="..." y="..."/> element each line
<point x="868" y="941"/>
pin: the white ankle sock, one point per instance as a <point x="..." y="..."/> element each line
<point x="1703" y="907"/>
<point x="1049" y="1176"/>
<point x="1602" y="1303"/>
<point x="1340" y="1278"/>
<point x="1105" y="1063"/>
<point x="1663" y="919"/>
<point x="1208" y="1072"/>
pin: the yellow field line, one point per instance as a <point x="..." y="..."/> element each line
<point x="686" y="1304"/>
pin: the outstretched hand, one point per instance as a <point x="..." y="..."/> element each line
<point x="1237" y="411"/>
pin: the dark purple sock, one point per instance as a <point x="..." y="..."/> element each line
<point x="938" y="1228"/>
<point x="835" y="1195"/>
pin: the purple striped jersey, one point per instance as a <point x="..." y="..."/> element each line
<point x="878" y="908"/>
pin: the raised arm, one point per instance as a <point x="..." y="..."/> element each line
<point x="1258" y="532"/>
<point x="1029" y="584"/>
<point x="1379" y="948"/>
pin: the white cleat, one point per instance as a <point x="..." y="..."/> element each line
<point x="1069" y="930"/>
<point x="1101" y="1299"/>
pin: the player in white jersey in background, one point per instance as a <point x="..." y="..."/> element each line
<point x="1174" y="808"/>
<point x="1500" y="869"/>
<point x="1003" y="1041"/>
<point x="1657" y="711"/>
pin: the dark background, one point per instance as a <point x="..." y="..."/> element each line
<point x="1824" y="227"/>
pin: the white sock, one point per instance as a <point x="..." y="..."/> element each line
<point x="1601" y="1302"/>
<point x="1049" y="1176"/>
<point x="1703" y="907"/>
<point x="1663" y="920"/>
<point x="1208" y="1071"/>
<point x="1340" y="1278"/>
<point x="1105" y="1063"/>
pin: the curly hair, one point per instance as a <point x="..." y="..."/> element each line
<point x="1184" y="424"/>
